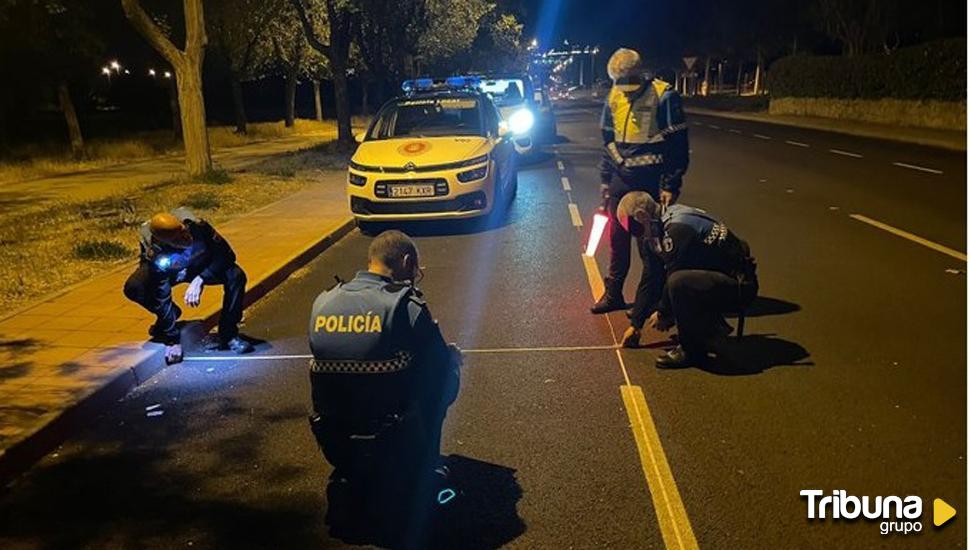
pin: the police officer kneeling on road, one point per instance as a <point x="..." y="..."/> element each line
<point x="178" y="248"/>
<point x="382" y="379"/>
<point x="709" y="272"/>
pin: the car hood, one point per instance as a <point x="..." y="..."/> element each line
<point x="422" y="152"/>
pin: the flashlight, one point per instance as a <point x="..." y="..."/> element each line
<point x="599" y="225"/>
<point x="163" y="262"/>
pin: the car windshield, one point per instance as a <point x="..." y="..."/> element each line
<point x="505" y="92"/>
<point x="429" y="117"/>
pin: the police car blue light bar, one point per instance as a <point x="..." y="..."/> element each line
<point x="452" y="82"/>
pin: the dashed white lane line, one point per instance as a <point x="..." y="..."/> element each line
<point x="796" y="143"/>
<point x="761" y="136"/>
<point x="561" y="166"/>
<point x="920" y="168"/>
<point x="845" y="153"/>
<point x="734" y="130"/>
<point x="713" y="127"/>
<point x="565" y="184"/>
<point x="909" y="236"/>
<point x="698" y="123"/>
<point x="574" y="214"/>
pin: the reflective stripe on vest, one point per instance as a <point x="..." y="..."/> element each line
<point x="401" y="361"/>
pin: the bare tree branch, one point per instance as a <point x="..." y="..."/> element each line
<point x="143" y="22"/>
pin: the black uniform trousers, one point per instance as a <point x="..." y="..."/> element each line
<point x="152" y="290"/>
<point x="652" y="279"/>
<point x="699" y="299"/>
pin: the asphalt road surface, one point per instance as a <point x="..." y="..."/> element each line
<point x="851" y="376"/>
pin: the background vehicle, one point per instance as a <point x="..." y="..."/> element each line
<point x="441" y="151"/>
<point x="514" y="96"/>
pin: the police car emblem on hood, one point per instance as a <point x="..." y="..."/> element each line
<point x="410" y="167"/>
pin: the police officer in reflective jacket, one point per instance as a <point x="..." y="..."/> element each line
<point x="645" y="149"/>
<point x="382" y="378"/>
<point x="709" y="272"/>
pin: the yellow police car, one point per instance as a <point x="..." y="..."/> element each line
<point x="441" y="151"/>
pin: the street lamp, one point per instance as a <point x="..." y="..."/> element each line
<point x="151" y="72"/>
<point x="168" y="74"/>
<point x="116" y="66"/>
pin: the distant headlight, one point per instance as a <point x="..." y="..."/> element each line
<point x="356" y="179"/>
<point x="521" y="121"/>
<point x="472" y="175"/>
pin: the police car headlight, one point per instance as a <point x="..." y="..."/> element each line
<point x="521" y="121"/>
<point x="356" y="179"/>
<point x="472" y="175"/>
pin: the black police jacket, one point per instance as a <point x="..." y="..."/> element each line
<point x="209" y="255"/>
<point x="377" y="351"/>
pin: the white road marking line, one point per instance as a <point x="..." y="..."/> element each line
<point x="565" y="184"/>
<point x="675" y="528"/>
<point x="559" y="164"/>
<point x="734" y="130"/>
<point x="713" y="127"/>
<point x="698" y="123"/>
<point x="761" y="136"/>
<point x="574" y="214"/>
<point x="796" y="143"/>
<point x="920" y="168"/>
<point x="845" y="153"/>
<point x="907" y="235"/>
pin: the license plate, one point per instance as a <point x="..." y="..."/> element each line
<point x="404" y="191"/>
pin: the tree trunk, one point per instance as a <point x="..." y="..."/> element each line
<point x="289" y="98"/>
<point x="707" y="77"/>
<point x="363" y="98"/>
<point x="317" y="105"/>
<point x="720" y="76"/>
<point x="758" y="73"/>
<point x="192" y="107"/>
<point x="238" y="107"/>
<point x="342" y="100"/>
<point x="740" y="76"/>
<point x="173" y="106"/>
<point x="70" y="116"/>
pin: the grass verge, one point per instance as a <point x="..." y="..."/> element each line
<point x="68" y="242"/>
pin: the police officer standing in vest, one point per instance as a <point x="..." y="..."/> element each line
<point x="382" y="379"/>
<point x="176" y="248"/>
<point x="646" y="149"/>
<point x="709" y="272"/>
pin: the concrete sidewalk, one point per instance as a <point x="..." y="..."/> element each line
<point x="947" y="139"/>
<point x="65" y="358"/>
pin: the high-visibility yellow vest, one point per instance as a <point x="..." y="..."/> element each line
<point x="635" y="114"/>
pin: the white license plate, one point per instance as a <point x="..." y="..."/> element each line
<point x="399" y="191"/>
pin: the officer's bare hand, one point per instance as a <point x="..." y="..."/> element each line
<point x="604" y="192"/>
<point x="631" y="338"/>
<point x="173" y="354"/>
<point x="658" y="322"/>
<point x="668" y="197"/>
<point x="193" y="294"/>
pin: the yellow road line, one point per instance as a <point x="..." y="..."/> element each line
<point x="672" y="517"/>
<point x="574" y="214"/>
<point x="909" y="236"/>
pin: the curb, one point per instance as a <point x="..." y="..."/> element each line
<point x="939" y="143"/>
<point x="23" y="454"/>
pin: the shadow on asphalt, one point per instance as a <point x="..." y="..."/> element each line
<point x="756" y="353"/>
<point x="764" y="306"/>
<point x="484" y="514"/>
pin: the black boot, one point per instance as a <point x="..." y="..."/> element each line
<point x="610" y="301"/>
<point x="677" y="358"/>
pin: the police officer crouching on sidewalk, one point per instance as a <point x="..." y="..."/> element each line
<point x="382" y="379"/>
<point x="176" y="248"/>
<point x="645" y="149"/>
<point x="709" y="272"/>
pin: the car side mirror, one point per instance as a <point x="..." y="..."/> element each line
<point x="359" y="137"/>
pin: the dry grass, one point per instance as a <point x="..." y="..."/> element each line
<point x="74" y="241"/>
<point x="38" y="161"/>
